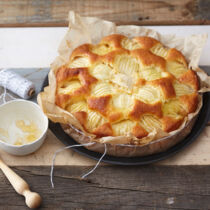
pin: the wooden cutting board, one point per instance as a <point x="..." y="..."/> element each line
<point x="195" y="154"/>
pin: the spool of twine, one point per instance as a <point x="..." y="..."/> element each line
<point x="17" y="84"/>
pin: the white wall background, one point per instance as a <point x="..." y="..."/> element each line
<point x="37" y="47"/>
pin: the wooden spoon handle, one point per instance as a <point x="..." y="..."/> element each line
<point x="32" y="199"/>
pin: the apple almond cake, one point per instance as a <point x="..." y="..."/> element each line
<point x="127" y="87"/>
<point x="136" y="95"/>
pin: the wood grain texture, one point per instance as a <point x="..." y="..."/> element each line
<point x="146" y="187"/>
<point x="152" y="12"/>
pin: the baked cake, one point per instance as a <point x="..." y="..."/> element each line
<point x="127" y="87"/>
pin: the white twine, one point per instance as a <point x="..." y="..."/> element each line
<point x="91" y="171"/>
<point x="68" y="147"/>
<point x="3" y="95"/>
<point x="16" y="84"/>
<point x="78" y="131"/>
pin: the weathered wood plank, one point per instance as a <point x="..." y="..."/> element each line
<point x="154" y="12"/>
<point x="146" y="187"/>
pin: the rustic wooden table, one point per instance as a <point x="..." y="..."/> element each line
<point x="182" y="182"/>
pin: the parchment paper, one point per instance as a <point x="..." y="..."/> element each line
<point x="92" y="30"/>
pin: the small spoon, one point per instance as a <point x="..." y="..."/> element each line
<point x="32" y="199"/>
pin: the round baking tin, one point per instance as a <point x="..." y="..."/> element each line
<point x="199" y="125"/>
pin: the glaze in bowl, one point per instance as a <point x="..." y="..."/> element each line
<point x="21" y="110"/>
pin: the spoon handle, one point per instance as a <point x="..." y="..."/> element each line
<point x="32" y="199"/>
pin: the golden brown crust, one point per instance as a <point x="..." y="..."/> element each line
<point x="147" y="58"/>
<point x="62" y="100"/>
<point x="103" y="130"/>
<point x="114" y="40"/>
<point x="191" y="102"/>
<point x="166" y="85"/>
<point x="141" y="108"/>
<point x="171" y="124"/>
<point x="127" y="83"/>
<point x="139" y="132"/>
<point x="68" y="74"/>
<point x="110" y="57"/>
<point x="86" y="78"/>
<point x="81" y="116"/>
<point x="175" y="55"/>
<point x="116" y="116"/>
<point x="141" y="82"/>
<point x="84" y="51"/>
<point x="146" y="42"/>
<point x="99" y="104"/>
<point x="190" y="78"/>
<point x="64" y="73"/>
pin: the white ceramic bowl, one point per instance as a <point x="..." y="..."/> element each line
<point x="22" y="110"/>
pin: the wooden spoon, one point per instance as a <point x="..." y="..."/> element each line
<point x="32" y="199"/>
